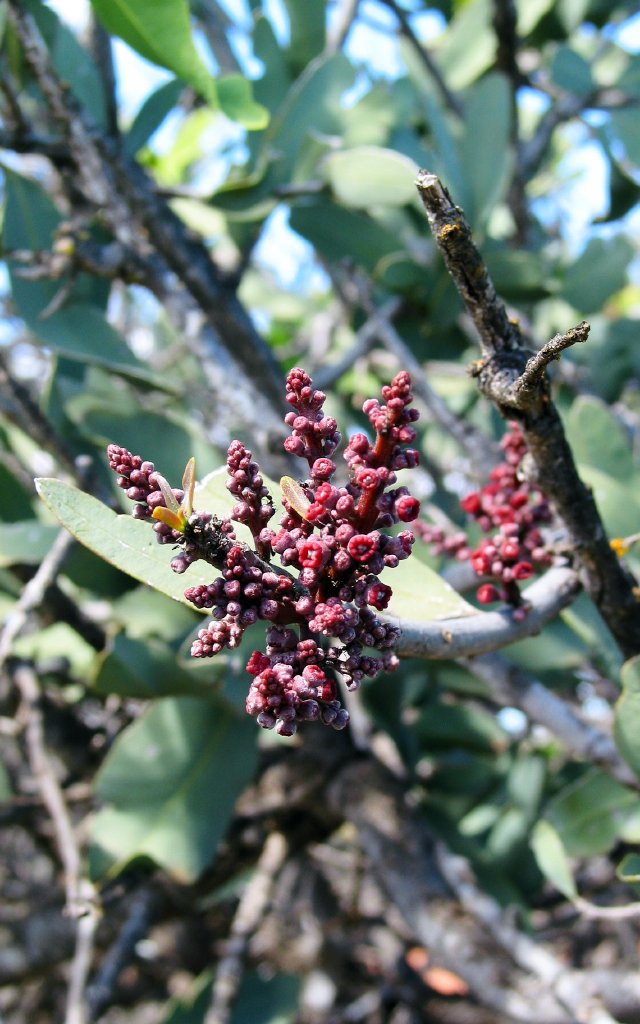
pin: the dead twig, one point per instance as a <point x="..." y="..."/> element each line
<point x="251" y="909"/>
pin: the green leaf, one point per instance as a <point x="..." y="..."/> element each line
<point x="421" y="595"/>
<point x="6" y="791"/>
<point x="306" y="31"/>
<point x="626" y="726"/>
<point x="127" y="543"/>
<point x="591" y="814"/>
<point x="57" y="641"/>
<point x="617" y="502"/>
<point x="443" y="725"/>
<point x="78" y="329"/>
<point x="335" y="230"/>
<point x="370" y="175"/>
<point x="467" y="48"/>
<point x="236" y="100"/>
<point x="552" y="858"/>
<point x="571" y="72"/>
<point x="529" y="14"/>
<point x="171" y="781"/>
<point x="267" y="1001"/>
<point x="597" y="438"/>
<point x="151" y="115"/>
<point x="624" y="126"/>
<point x="25" y="543"/>
<point x="597" y="274"/>
<point x="159" y="30"/>
<point x="485" y="147"/>
<point x="149" y="668"/>
<point x="628" y="869"/>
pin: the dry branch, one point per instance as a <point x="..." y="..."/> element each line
<point x="513" y="378"/>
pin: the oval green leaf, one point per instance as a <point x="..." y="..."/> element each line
<point x="190" y="759"/>
<point x="420" y="595"/>
<point x="626" y="723"/>
<point x="552" y="858"/>
<point x="370" y="176"/>
<point x="159" y="30"/>
<point x="126" y="543"/>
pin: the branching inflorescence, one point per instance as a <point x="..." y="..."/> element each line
<point x="511" y="510"/>
<point x="321" y="601"/>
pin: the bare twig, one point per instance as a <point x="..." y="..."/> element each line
<point x="79" y="891"/>
<point x="215" y="22"/>
<point x="565" y="108"/>
<point x="425" y="57"/>
<point x="579" y="999"/>
<point x="505" y="360"/>
<point x="33" y="592"/>
<point x="20" y="408"/>
<point x="140" y="913"/>
<point x="510" y="685"/>
<point x="102" y="54"/>
<point x="344" y="16"/>
<point x="129" y="204"/>
<point x="251" y="909"/>
<point x="326" y="376"/>
<point x="532" y="376"/>
<point x="597" y="913"/>
<point x="401" y="852"/>
<point x="489" y="631"/>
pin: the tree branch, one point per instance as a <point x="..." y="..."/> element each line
<point x="251" y="909"/>
<point x="489" y="631"/>
<point x="79" y="891"/>
<point x="514" y="380"/>
<point x="137" y="216"/>
<point x="527" y="982"/>
<point x="510" y="685"/>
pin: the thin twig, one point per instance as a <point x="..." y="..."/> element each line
<point x="33" y="593"/>
<point x="139" y="916"/>
<point x="79" y="892"/>
<point x="482" y="452"/>
<point x="597" y="913"/>
<point x="532" y="376"/>
<point x="251" y="909"/>
<point x="401" y="851"/>
<point x="510" y="685"/>
<point x="344" y="15"/>
<point x="18" y="405"/>
<point x="426" y="59"/>
<point x="489" y="631"/>
<point x="178" y="266"/>
<point x="325" y="377"/>
<point x="533" y="957"/>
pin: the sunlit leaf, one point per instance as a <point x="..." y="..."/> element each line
<point x="127" y="543"/>
<point x="159" y="30"/>
<point x="370" y="175"/>
<point x="552" y="858"/>
<point x="626" y="728"/>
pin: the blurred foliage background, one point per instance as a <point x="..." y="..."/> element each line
<point x="195" y="199"/>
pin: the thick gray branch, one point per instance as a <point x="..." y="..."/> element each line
<point x="489" y="631"/>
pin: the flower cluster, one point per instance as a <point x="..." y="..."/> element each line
<point x="320" y="601"/>
<point x="510" y="510"/>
